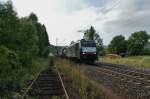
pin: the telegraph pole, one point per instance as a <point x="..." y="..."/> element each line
<point x="57" y="46"/>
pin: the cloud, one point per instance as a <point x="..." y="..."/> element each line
<point x="66" y="26"/>
<point x="131" y="17"/>
<point x="63" y="18"/>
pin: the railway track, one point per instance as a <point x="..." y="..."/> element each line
<point x="134" y="83"/>
<point x="141" y="87"/>
<point x="126" y="70"/>
<point x="140" y="76"/>
<point x="46" y="85"/>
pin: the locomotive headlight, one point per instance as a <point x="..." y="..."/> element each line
<point x="83" y="53"/>
<point x="94" y="53"/>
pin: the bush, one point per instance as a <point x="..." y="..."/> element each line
<point x="146" y="52"/>
<point x="9" y="69"/>
<point x="22" y="40"/>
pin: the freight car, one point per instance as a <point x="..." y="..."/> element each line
<point x="82" y="50"/>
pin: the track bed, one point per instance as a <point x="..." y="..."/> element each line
<point x="46" y="85"/>
<point x="124" y="81"/>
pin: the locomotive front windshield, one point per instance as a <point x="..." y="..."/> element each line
<point x="88" y="44"/>
<point x="88" y="47"/>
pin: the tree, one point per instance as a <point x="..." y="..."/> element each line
<point x="28" y="37"/>
<point x="137" y="41"/>
<point x="98" y="39"/>
<point x="41" y="35"/>
<point x="99" y="44"/>
<point x="118" y="45"/>
<point x="43" y="42"/>
<point x="9" y="66"/>
<point x="9" y="24"/>
<point x="90" y="33"/>
<point x="33" y="17"/>
<point x="146" y="50"/>
<point x="21" y="41"/>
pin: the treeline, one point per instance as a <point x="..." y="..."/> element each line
<point x="134" y="45"/>
<point x="21" y="41"/>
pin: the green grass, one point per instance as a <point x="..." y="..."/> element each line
<point x="24" y="76"/>
<point x="139" y="61"/>
<point x="80" y="86"/>
<point x="79" y="83"/>
<point x="39" y="64"/>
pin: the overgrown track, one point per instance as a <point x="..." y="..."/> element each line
<point x="134" y="83"/>
<point x="46" y="85"/>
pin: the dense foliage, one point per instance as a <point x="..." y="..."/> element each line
<point x="21" y="40"/>
<point x="118" y="45"/>
<point x="135" y="45"/>
<point x="89" y="33"/>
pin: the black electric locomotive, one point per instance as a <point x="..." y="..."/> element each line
<point x="82" y="50"/>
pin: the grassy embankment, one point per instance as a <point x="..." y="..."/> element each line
<point x="139" y="61"/>
<point x="38" y="65"/>
<point x="79" y="86"/>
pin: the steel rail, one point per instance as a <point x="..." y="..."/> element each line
<point x="145" y="82"/>
<point x="123" y="78"/>
<point x="31" y="85"/>
<point x="27" y="90"/>
<point x="66" y="94"/>
<point x="139" y="75"/>
<point x="110" y="66"/>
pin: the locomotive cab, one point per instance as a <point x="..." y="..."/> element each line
<point x="88" y="50"/>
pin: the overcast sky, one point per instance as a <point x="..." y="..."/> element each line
<point x="63" y="18"/>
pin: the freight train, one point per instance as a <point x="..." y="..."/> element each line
<point x="82" y="50"/>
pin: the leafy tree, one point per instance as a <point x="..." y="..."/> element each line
<point x="137" y="41"/>
<point x="28" y="37"/>
<point x="99" y="44"/>
<point x="9" y="24"/>
<point x="43" y="40"/>
<point x="21" y="40"/>
<point x="98" y="39"/>
<point x="9" y="70"/>
<point x="41" y="35"/>
<point x="89" y="34"/>
<point x="146" y="50"/>
<point x="33" y="17"/>
<point x="92" y="33"/>
<point x="118" y="45"/>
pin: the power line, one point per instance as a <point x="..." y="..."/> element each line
<point x="115" y="4"/>
<point x="108" y="10"/>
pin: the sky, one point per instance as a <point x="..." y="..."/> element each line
<point x="65" y="18"/>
